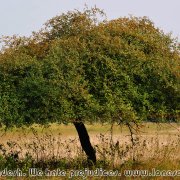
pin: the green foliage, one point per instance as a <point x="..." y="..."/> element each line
<point x="79" y="68"/>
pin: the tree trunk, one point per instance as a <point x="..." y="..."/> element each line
<point x="85" y="142"/>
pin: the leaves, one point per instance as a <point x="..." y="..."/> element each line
<point x="79" y="67"/>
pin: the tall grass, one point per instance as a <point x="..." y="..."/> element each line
<point x="114" y="151"/>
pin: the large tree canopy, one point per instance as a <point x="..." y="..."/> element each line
<point x="79" y="68"/>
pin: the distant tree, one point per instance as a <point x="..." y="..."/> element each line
<point x="78" y="69"/>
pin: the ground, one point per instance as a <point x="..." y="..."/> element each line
<point x="156" y="146"/>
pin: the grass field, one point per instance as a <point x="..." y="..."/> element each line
<point x="57" y="146"/>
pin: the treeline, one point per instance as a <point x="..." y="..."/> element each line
<point x="79" y="67"/>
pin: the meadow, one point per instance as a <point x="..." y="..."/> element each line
<point x="155" y="146"/>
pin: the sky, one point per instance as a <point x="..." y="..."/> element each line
<point x="21" y="17"/>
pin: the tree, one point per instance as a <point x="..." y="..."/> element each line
<point x="78" y="69"/>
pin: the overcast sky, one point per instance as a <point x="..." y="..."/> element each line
<point x="24" y="16"/>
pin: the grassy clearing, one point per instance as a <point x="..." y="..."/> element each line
<point x="156" y="146"/>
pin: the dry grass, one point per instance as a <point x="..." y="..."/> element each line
<point x="156" y="146"/>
